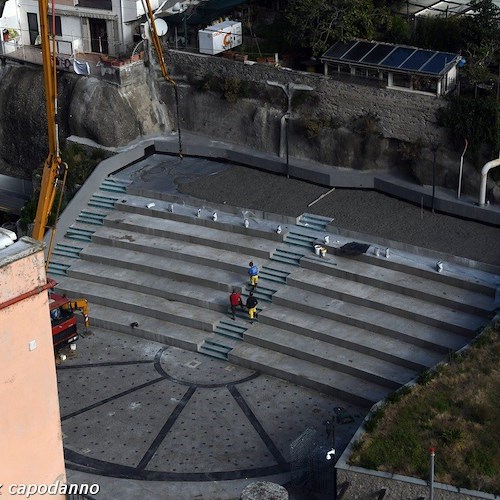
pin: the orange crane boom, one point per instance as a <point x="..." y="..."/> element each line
<point x="54" y="170"/>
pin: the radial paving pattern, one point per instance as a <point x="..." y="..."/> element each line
<point x="139" y="410"/>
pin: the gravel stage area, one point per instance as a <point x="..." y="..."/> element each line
<point x="364" y="211"/>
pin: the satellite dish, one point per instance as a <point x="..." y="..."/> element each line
<point x="161" y="27"/>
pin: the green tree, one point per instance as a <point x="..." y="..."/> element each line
<point x="481" y="35"/>
<point x="316" y="24"/>
<point x="482" y="28"/>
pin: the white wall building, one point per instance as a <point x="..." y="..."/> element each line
<point x="100" y="26"/>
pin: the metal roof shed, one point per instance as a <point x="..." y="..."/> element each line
<point x="399" y="66"/>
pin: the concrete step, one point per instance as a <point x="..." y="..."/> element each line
<point x="412" y="264"/>
<point x="406" y="284"/>
<point x="158" y="330"/>
<point x="338" y="358"/>
<point x="140" y="303"/>
<point x="273" y="275"/>
<point x="57" y="269"/>
<point x="340" y="334"/>
<point x="66" y="250"/>
<point x="373" y="297"/>
<point x="261" y="293"/>
<point x="286" y="256"/>
<point x="370" y="319"/>
<point x="302" y="372"/>
<point x="210" y="277"/>
<point x="215" y="347"/>
<point x="102" y="201"/>
<point x="231" y="328"/>
<point x="78" y="233"/>
<point x="214" y="238"/>
<point x="300" y="240"/>
<point x="313" y="221"/>
<point x="90" y="217"/>
<point x="113" y="185"/>
<point x="231" y="221"/>
<point x="151" y="284"/>
<point x="197" y="254"/>
<point x="213" y="351"/>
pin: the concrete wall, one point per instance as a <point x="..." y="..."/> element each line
<point x="402" y="115"/>
<point x="368" y="485"/>
<point x="30" y="427"/>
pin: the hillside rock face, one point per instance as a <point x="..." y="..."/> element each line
<point x="87" y="107"/>
<point x="337" y="123"/>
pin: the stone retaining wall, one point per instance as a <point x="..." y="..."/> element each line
<point x="402" y="115"/>
<point x="362" y="484"/>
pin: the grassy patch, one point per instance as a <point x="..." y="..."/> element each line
<point x="456" y="410"/>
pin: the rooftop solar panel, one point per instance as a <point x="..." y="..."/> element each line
<point x="378" y="53"/>
<point x="359" y="50"/>
<point x="391" y="56"/>
<point x="438" y="63"/>
<point x="397" y="57"/>
<point x="338" y="50"/>
<point x="417" y="60"/>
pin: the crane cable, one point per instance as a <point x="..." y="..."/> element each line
<point x="163" y="67"/>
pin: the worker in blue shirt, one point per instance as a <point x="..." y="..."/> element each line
<point x="253" y="272"/>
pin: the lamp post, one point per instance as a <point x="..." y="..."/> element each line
<point x="288" y="89"/>
<point x="330" y="455"/>
<point x="432" y="452"/>
<point x="434" y="149"/>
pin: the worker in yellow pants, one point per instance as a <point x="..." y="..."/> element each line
<point x="252" y="307"/>
<point x="253" y="272"/>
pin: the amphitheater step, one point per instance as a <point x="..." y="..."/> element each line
<point x="66" y="250"/>
<point x="101" y="201"/>
<point x="119" y="320"/>
<point x="300" y="240"/>
<point x="214" y="351"/>
<point x="207" y="276"/>
<point x="114" y="185"/>
<point x="198" y="254"/>
<point x="261" y="292"/>
<point x="338" y="358"/>
<point x="89" y="217"/>
<point x="141" y="303"/>
<point x="320" y="378"/>
<point x="77" y="233"/>
<point x="369" y="319"/>
<point x="274" y="275"/>
<point x="313" y="221"/>
<point x="406" y="284"/>
<point x="367" y="342"/>
<point x="57" y="269"/>
<point x="190" y="233"/>
<point x="286" y="256"/>
<point x="229" y="328"/>
<point x="215" y="348"/>
<point x="151" y="284"/>
<point x="379" y="299"/>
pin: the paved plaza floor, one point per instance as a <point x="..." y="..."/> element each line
<point x="145" y="420"/>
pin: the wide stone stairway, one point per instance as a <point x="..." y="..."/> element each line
<point x="355" y="327"/>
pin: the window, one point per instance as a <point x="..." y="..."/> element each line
<point x="58" y="30"/>
<point x="95" y="4"/>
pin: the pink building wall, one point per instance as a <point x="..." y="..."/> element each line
<point x="30" y="425"/>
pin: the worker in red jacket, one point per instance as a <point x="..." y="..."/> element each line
<point x="235" y="301"/>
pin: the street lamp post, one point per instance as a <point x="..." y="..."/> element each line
<point x="434" y="149"/>
<point x="331" y="455"/>
<point x="288" y="89"/>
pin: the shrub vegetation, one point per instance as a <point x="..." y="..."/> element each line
<point x="456" y="411"/>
